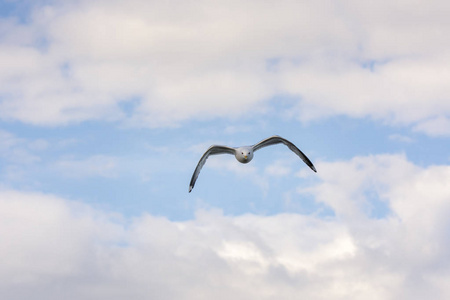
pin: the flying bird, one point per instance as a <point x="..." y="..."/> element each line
<point x="245" y="154"/>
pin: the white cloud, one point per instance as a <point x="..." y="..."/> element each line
<point x="346" y="185"/>
<point x="439" y="126"/>
<point x="15" y="150"/>
<point x="279" y="168"/>
<point x="53" y="247"/>
<point x="384" y="60"/>
<point x="8" y="140"/>
<point x="47" y="237"/>
<point x="401" y="138"/>
<point x="241" y="171"/>
<point x="97" y="165"/>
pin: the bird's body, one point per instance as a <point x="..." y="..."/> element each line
<point x="245" y="154"/>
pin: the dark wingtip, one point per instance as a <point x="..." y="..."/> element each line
<point x="190" y="188"/>
<point x="314" y="169"/>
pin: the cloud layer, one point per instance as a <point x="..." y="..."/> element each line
<point x="157" y="64"/>
<point x="58" y="248"/>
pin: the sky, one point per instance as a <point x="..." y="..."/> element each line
<point x="107" y="106"/>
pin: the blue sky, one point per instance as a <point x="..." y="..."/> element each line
<point x="106" y="108"/>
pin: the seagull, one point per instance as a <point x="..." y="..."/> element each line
<point x="245" y="154"/>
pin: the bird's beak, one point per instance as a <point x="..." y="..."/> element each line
<point x="245" y="157"/>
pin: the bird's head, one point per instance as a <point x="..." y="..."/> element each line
<point x="244" y="154"/>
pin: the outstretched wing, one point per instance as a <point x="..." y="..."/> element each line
<point x="273" y="140"/>
<point x="213" y="150"/>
